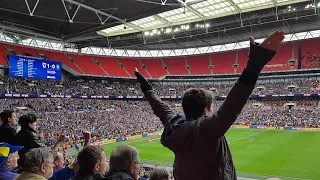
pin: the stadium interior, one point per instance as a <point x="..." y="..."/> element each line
<point x="176" y="45"/>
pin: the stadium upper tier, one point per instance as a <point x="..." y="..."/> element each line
<point x="228" y="62"/>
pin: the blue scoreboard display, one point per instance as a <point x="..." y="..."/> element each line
<point x="26" y="67"/>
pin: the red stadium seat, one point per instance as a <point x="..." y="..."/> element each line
<point x="223" y="62"/>
<point x="3" y="54"/>
<point x="154" y="67"/>
<point x="176" y="66"/>
<point x="131" y="64"/>
<point x="87" y="64"/>
<point x="111" y="66"/>
<point x="199" y="64"/>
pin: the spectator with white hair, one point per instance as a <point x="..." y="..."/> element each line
<point x="124" y="164"/>
<point x="38" y="165"/>
<point x="159" y="173"/>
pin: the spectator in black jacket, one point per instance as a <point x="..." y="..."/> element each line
<point x="7" y="132"/>
<point x="197" y="139"/>
<point x="92" y="162"/>
<point x="124" y="164"/>
<point x="28" y="136"/>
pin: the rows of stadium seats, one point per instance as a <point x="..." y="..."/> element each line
<point x="217" y="63"/>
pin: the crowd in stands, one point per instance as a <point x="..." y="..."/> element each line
<point x="56" y="122"/>
<point x="32" y="86"/>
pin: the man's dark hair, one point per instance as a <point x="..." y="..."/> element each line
<point x="27" y="119"/>
<point x="5" y="115"/>
<point x="122" y="158"/>
<point x="159" y="174"/>
<point x="88" y="157"/>
<point x="194" y="102"/>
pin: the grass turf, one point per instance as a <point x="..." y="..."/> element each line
<point x="285" y="154"/>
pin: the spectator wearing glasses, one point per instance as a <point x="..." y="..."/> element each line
<point x="38" y="165"/>
<point x="8" y="161"/>
<point x="92" y="162"/>
<point x="124" y="164"/>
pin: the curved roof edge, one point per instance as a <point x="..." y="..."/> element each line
<point x="35" y="42"/>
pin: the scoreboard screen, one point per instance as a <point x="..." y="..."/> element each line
<point x="25" y="67"/>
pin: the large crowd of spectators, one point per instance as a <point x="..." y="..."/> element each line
<point x="114" y="118"/>
<point x="32" y="86"/>
<point x="70" y="118"/>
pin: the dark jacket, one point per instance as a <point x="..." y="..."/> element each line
<point x="80" y="175"/>
<point x="29" y="139"/>
<point x="119" y="176"/>
<point x="7" y="134"/>
<point x="200" y="147"/>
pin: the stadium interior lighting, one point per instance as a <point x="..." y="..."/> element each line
<point x="196" y="11"/>
<point x="147" y="33"/>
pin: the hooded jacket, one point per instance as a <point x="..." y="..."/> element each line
<point x="200" y="147"/>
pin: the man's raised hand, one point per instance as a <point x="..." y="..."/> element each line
<point x="136" y="70"/>
<point x="273" y="42"/>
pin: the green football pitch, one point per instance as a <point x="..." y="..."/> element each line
<point x="282" y="154"/>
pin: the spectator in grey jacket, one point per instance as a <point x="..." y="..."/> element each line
<point x="197" y="139"/>
<point x="38" y="165"/>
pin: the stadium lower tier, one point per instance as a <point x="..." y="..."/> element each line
<point x="114" y="118"/>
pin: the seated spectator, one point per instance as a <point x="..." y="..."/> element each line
<point x="7" y="132"/>
<point x="38" y="165"/>
<point x="8" y="161"/>
<point x="124" y="164"/>
<point x="92" y="163"/>
<point x="160" y="174"/>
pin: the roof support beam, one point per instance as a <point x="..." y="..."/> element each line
<point x="276" y="6"/>
<point x="122" y="21"/>
<point x="34" y="8"/>
<point x="238" y="9"/>
<point x="196" y="12"/>
<point x="157" y="17"/>
<point x="74" y="14"/>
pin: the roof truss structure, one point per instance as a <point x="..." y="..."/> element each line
<point x="201" y="11"/>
